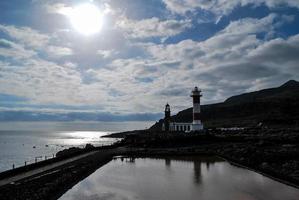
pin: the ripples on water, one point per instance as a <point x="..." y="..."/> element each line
<point x="23" y="141"/>
<point x="204" y="178"/>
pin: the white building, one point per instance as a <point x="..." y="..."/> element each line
<point x="195" y="125"/>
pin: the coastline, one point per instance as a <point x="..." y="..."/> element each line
<point x="257" y="153"/>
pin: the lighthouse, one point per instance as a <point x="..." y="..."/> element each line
<point x="170" y="125"/>
<point x="166" y="124"/>
<point x="196" y="94"/>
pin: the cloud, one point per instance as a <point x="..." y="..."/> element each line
<point x="65" y="7"/>
<point x="57" y="51"/>
<point x="277" y="51"/>
<point x="117" y="74"/>
<point x="9" y="49"/>
<point x="26" y="36"/>
<point x="5" y="44"/>
<point x="106" y="53"/>
<point x="233" y="61"/>
<point x="40" y="81"/>
<point x="251" y="25"/>
<point x="20" y="115"/>
<point x="28" y="42"/>
<point x="222" y="7"/>
<point x="153" y="27"/>
<point x="55" y="7"/>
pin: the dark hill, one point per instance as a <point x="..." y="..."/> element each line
<point x="273" y="107"/>
<point x="288" y="90"/>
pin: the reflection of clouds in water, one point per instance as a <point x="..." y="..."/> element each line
<point x="205" y="178"/>
<point x="101" y="195"/>
<point x="113" y="196"/>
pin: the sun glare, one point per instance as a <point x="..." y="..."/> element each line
<point x="86" y="19"/>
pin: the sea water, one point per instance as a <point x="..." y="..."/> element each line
<point x="28" y="142"/>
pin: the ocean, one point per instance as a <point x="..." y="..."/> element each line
<point x="28" y="142"/>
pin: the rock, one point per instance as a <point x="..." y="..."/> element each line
<point x="67" y="152"/>
<point x="89" y="146"/>
<point x="264" y="165"/>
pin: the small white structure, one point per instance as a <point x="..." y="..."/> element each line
<point x="181" y="126"/>
<point x="196" y="125"/>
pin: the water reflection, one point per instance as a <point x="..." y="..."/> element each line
<point x="205" y="178"/>
<point x="168" y="162"/>
<point x="197" y="172"/>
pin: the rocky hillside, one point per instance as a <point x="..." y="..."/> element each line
<point x="271" y="107"/>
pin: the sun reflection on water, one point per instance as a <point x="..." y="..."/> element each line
<point x="84" y="137"/>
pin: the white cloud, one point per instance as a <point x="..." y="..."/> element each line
<point x="28" y="40"/>
<point x="12" y="50"/>
<point x="222" y="7"/>
<point x="59" y="8"/>
<point x="41" y="82"/>
<point x="27" y="36"/>
<point x="251" y="25"/>
<point x="64" y="8"/>
<point x="57" y="51"/>
<point x="106" y="53"/>
<point x="153" y="27"/>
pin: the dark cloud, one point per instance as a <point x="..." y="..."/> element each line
<point x="244" y="71"/>
<point x="174" y="91"/>
<point x="278" y="51"/>
<point x="73" y="116"/>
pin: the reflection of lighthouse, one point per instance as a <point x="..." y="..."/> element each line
<point x="196" y="94"/>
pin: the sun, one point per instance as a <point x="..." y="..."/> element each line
<point x="86" y="19"/>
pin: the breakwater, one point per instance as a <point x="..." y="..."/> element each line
<point x="52" y="178"/>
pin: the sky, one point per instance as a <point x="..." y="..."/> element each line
<point x="139" y="55"/>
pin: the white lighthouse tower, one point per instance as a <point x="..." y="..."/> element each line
<point x="196" y="125"/>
